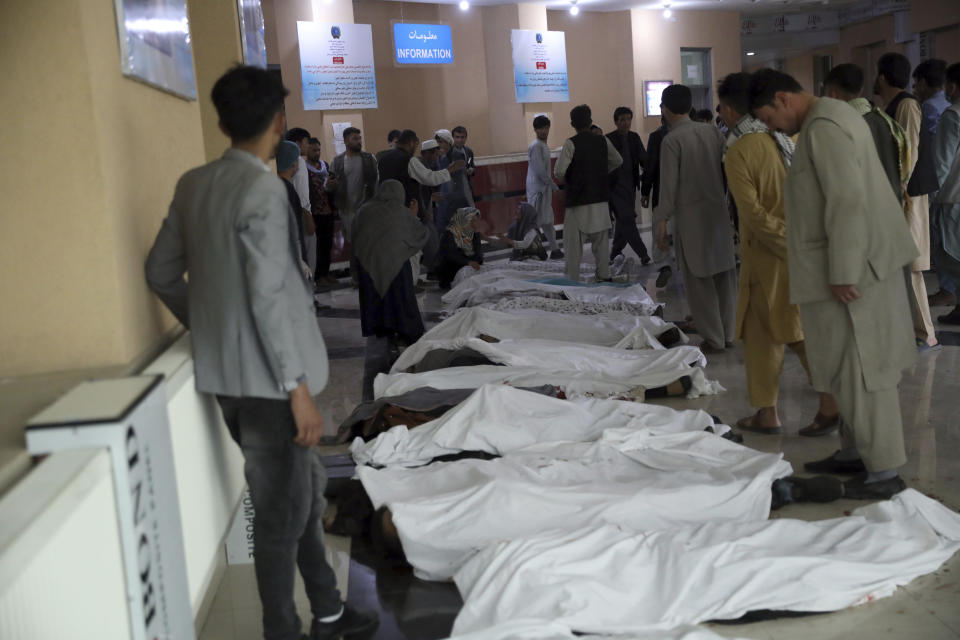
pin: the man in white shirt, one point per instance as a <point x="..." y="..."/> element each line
<point x="301" y="182"/>
<point x="540" y="184"/>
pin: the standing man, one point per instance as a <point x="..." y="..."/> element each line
<point x="756" y="165"/>
<point x="352" y="179"/>
<point x="847" y="245"/>
<point x="928" y="79"/>
<point x="319" y="171"/>
<point x="400" y="164"/>
<point x="301" y="182"/>
<point x="456" y="192"/>
<point x="392" y="138"/>
<point x="624" y="184"/>
<point x="893" y="74"/>
<point x="460" y="144"/>
<point x="650" y="197"/>
<point x="585" y="163"/>
<point x="946" y="208"/>
<point x="540" y="184"/>
<point x="692" y="191"/>
<point x="256" y="345"/>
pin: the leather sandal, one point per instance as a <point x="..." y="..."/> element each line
<point x="744" y="424"/>
<point x="821" y="426"/>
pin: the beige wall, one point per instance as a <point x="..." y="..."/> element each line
<point x="929" y="15"/>
<point x="73" y="240"/>
<point x="657" y="43"/>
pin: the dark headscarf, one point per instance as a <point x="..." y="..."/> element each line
<point x="386" y="234"/>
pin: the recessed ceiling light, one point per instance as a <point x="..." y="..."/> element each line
<point x="464" y="5"/>
<point x="751" y="53"/>
<point x="667" y="13"/>
<point x="574" y="9"/>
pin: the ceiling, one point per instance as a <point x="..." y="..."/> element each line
<point x="750" y="7"/>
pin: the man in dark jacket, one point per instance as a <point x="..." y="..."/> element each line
<point x="650" y="195"/>
<point x="624" y="183"/>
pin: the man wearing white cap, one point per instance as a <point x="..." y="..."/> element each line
<point x="456" y="193"/>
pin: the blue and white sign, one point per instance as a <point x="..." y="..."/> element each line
<point x="336" y="66"/>
<point x="540" y="66"/>
<point x="422" y="43"/>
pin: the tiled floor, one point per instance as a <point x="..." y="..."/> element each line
<point x="927" y="609"/>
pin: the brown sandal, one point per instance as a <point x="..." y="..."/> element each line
<point x="745" y="424"/>
<point x="822" y="425"/>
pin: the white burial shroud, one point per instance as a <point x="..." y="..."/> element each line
<point x="609" y="579"/>
<point x="499" y="419"/>
<point x="494" y="285"/>
<point x="549" y="630"/>
<point x="638" y="478"/>
<point x="576" y="369"/>
<point x="607" y="330"/>
<point x="524" y="269"/>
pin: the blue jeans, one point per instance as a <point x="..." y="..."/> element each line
<point x="286" y="483"/>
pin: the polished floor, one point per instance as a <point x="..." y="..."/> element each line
<point x="926" y="609"/>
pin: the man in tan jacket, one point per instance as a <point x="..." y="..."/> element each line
<point x="756" y="165"/>
<point x="893" y="75"/>
<point x="847" y="246"/>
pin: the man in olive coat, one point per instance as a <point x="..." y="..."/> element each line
<point x="847" y="246"/>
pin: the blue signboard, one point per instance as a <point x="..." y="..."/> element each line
<point x="422" y="43"/>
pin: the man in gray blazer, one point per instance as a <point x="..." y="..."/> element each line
<point x="256" y="344"/>
<point x="692" y="192"/>
<point x="847" y="246"/>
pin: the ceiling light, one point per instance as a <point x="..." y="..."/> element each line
<point x="667" y="12"/>
<point x="464" y="5"/>
<point x="574" y="9"/>
<point x="751" y="53"/>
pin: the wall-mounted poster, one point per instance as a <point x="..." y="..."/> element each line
<point x="251" y="33"/>
<point x="155" y="44"/>
<point x="539" y="66"/>
<point x="422" y="43"/>
<point x="652" y="90"/>
<point x="336" y="66"/>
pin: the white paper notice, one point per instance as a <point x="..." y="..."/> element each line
<point x="336" y="66"/>
<point x="338" y="129"/>
<point x="540" y="66"/>
<point x="693" y="72"/>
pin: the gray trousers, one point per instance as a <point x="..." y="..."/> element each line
<point x="573" y="246"/>
<point x="713" y="304"/>
<point x="286" y="483"/>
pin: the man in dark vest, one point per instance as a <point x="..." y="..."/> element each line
<point x="584" y="165"/>
<point x="400" y="164"/>
<point x="624" y="184"/>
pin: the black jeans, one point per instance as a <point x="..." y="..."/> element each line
<point x="625" y="232"/>
<point x="286" y="483"/>
<point x="324" y="244"/>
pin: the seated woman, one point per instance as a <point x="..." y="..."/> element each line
<point x="525" y="236"/>
<point x="459" y="245"/>
<point x="385" y="235"/>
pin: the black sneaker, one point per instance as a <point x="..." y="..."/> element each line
<point x="556" y="254"/>
<point x="350" y="623"/>
<point x="645" y="260"/>
<point x="858" y="489"/>
<point x="832" y="465"/>
<point x="663" y="277"/>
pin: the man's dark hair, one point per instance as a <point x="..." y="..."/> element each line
<point x="622" y="111"/>
<point x="459" y="129"/>
<point x="846" y="77"/>
<point x="766" y="83"/>
<point x="953" y="73"/>
<point x="349" y="131"/>
<point x="407" y="136"/>
<point x="933" y="72"/>
<point x="581" y="117"/>
<point x="313" y="141"/>
<point x="540" y="122"/>
<point x="247" y="99"/>
<point x="734" y="91"/>
<point x="677" y="98"/>
<point x="297" y="134"/>
<point x="895" y="68"/>
<point x="393" y="136"/>
<point x="704" y="115"/>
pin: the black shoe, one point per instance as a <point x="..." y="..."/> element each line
<point x="351" y="622"/>
<point x="950" y="318"/>
<point x="645" y="260"/>
<point x="556" y="254"/>
<point x="832" y="465"/>
<point x="858" y="489"/>
<point x="664" y="277"/>
<point x="818" y="489"/>
<point x="669" y="337"/>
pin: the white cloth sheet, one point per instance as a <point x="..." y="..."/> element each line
<point x="528" y="269"/>
<point x="578" y="370"/>
<point x="567" y="307"/>
<point x="607" y="330"/>
<point x="499" y="419"/>
<point x="609" y="579"/>
<point x="635" y="478"/>
<point x="494" y="285"/>
<point x="548" y="630"/>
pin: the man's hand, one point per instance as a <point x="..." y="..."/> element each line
<point x="456" y="166"/>
<point x="662" y="241"/>
<point x="475" y="265"/>
<point x="414" y="206"/>
<point x="306" y="416"/>
<point x="332" y="181"/>
<point x="845" y="293"/>
<point x="645" y="202"/>
<point x="471" y="171"/>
